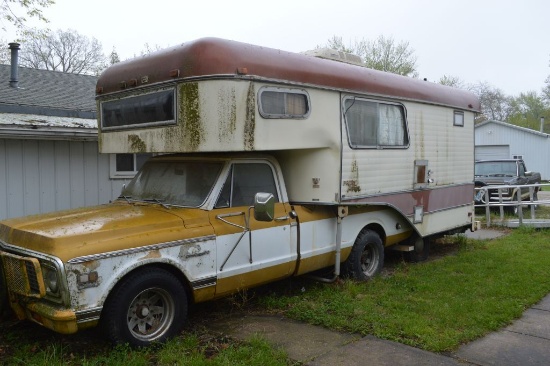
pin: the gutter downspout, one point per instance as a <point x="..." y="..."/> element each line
<point x="14" y="79"/>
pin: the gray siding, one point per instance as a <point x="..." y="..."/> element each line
<point x="533" y="145"/>
<point x="44" y="175"/>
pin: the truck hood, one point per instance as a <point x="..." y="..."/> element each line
<point x="494" y="180"/>
<point x="105" y="228"/>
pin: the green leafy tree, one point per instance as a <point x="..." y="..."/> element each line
<point x="65" y="51"/>
<point x="17" y="12"/>
<point x="383" y="53"/>
<point x="453" y="81"/>
<point x="527" y="109"/>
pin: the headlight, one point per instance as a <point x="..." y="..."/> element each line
<point x="50" y="278"/>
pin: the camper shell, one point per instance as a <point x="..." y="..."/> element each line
<point x="221" y="100"/>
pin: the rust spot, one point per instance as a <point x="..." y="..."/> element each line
<point x="353" y="183"/>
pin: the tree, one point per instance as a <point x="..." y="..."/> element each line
<point x="453" y="81"/>
<point x="495" y="105"/>
<point x="381" y="54"/>
<point x="65" y="51"/>
<point x="527" y="109"/>
<point x="16" y="11"/>
<point x="114" y="57"/>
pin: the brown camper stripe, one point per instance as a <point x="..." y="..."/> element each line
<point x="432" y="199"/>
<point x="213" y="57"/>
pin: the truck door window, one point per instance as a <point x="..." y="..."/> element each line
<point x="243" y="182"/>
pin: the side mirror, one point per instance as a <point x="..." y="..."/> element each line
<point x="528" y="173"/>
<point x="264" y="207"/>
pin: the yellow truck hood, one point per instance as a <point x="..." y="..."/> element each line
<point x="99" y="229"/>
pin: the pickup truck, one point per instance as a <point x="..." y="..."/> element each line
<point x="504" y="172"/>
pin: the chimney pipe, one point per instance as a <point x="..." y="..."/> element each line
<point x="14" y="80"/>
<point x="542" y="124"/>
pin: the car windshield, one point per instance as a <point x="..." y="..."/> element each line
<point x="496" y="168"/>
<point x="176" y="183"/>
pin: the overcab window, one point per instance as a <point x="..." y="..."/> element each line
<point x="143" y="110"/>
<point x="372" y="124"/>
<point x="283" y="103"/>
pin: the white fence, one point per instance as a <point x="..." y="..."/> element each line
<point x="492" y="197"/>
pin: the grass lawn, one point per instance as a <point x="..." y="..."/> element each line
<point x="437" y="305"/>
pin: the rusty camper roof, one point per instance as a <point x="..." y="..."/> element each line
<point x="214" y="57"/>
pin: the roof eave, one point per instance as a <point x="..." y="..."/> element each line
<point x="48" y="133"/>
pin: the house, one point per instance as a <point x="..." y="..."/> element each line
<point x="501" y="140"/>
<point x="49" y="157"/>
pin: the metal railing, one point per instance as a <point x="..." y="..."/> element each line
<point x="497" y="196"/>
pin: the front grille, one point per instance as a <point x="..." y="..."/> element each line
<point x="505" y="193"/>
<point x="23" y="275"/>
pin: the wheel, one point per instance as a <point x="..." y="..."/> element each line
<point x="366" y="258"/>
<point x="145" y="307"/>
<point x="421" y="250"/>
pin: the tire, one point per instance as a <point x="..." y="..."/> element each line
<point x="4" y="304"/>
<point x="366" y="259"/>
<point x="421" y="250"/>
<point x="146" y="307"/>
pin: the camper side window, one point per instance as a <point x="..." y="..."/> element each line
<point x="371" y="124"/>
<point x="283" y="103"/>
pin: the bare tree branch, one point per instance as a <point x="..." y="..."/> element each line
<point x="65" y="51"/>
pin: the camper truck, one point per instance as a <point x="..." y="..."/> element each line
<point x="268" y="164"/>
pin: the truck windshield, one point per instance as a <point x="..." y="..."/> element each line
<point x="496" y="168"/>
<point x="173" y="183"/>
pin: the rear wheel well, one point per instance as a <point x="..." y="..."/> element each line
<point x="378" y="229"/>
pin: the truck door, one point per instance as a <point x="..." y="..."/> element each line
<point x="262" y="254"/>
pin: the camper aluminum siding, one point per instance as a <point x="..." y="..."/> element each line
<point x="217" y="86"/>
<point x="532" y="145"/>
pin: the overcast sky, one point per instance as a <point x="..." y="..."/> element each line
<point x="505" y="43"/>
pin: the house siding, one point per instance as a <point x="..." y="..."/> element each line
<point x="48" y="175"/>
<point x="533" y="145"/>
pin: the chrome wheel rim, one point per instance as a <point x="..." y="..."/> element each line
<point x="369" y="260"/>
<point x="150" y="314"/>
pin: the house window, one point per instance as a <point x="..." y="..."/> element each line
<point x="372" y="124"/>
<point x="125" y="166"/>
<point x="283" y="103"/>
<point x="458" y="119"/>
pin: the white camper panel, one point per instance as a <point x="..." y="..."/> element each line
<point x="224" y="115"/>
<point x="427" y="177"/>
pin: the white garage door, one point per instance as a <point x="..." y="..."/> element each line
<point x="488" y="152"/>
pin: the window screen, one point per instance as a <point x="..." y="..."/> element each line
<point x="375" y="124"/>
<point x="284" y="103"/>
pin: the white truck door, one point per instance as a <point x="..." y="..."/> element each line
<point x="262" y="254"/>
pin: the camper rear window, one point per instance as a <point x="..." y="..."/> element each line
<point x="283" y="103"/>
<point x="372" y="124"/>
<point x="143" y="110"/>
